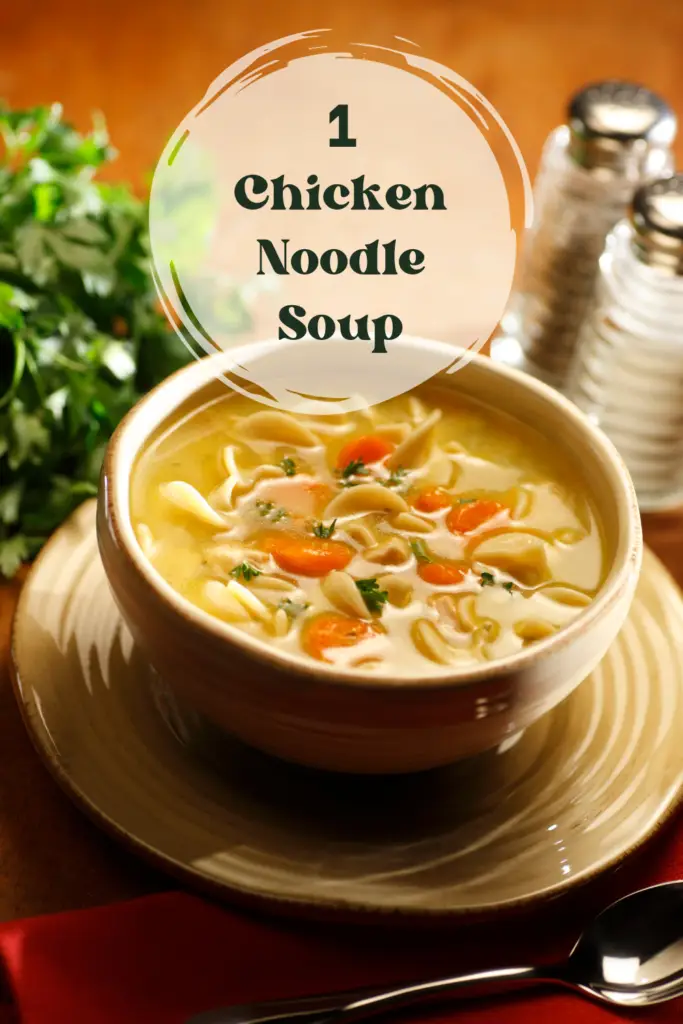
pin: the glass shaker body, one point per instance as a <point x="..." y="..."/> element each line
<point x="588" y="174"/>
<point x="628" y="372"/>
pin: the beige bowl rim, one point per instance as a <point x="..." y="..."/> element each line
<point x="191" y="378"/>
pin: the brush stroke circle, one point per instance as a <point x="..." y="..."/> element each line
<point x="415" y="123"/>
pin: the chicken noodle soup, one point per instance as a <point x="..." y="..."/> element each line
<point x="421" y="535"/>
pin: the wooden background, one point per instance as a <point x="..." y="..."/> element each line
<point x="144" y="63"/>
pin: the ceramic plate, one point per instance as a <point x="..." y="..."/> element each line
<point x="570" y="796"/>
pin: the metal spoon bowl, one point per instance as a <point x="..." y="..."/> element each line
<point x="630" y="955"/>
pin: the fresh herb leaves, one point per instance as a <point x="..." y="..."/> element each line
<point x="246" y="571"/>
<point x="292" y="608"/>
<point x="374" y="597"/>
<point x="397" y="478"/>
<point x="324" y="532"/>
<point x="419" y="549"/>
<point x="289" y="466"/>
<point x="81" y="333"/>
<point x="465" y="501"/>
<point x="268" y="510"/>
<point x="487" y="579"/>
<point x="356" y="467"/>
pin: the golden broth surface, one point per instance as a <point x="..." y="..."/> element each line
<point x="424" y="533"/>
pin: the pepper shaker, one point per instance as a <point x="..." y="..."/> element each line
<point x="618" y="135"/>
<point x="628" y="372"/>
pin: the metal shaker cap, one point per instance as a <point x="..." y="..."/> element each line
<point x="657" y="220"/>
<point x="620" y="126"/>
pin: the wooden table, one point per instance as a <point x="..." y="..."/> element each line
<point x="144" y="65"/>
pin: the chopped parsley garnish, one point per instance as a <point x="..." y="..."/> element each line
<point x="292" y="608"/>
<point x="289" y="466"/>
<point x="324" y="532"/>
<point x="487" y="579"/>
<point x="419" y="549"/>
<point x="397" y="477"/>
<point x="267" y="510"/>
<point x="246" y="571"/>
<point x="466" y="501"/>
<point x="356" y="467"/>
<point x="374" y="597"/>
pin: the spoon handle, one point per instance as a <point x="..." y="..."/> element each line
<point x="348" y="1007"/>
<point x="479" y="983"/>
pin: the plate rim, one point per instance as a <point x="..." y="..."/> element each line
<point x="315" y="908"/>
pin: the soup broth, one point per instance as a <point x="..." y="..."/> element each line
<point x="424" y="534"/>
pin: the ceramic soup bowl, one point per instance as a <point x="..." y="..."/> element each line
<point x="320" y="715"/>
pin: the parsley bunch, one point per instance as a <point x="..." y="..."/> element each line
<point x="81" y="336"/>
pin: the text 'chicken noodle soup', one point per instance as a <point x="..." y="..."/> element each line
<point x="423" y="535"/>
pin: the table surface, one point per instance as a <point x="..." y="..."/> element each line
<point x="144" y="65"/>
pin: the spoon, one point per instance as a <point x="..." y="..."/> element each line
<point x="631" y="955"/>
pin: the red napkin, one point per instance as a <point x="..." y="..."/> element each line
<point x="162" y="959"/>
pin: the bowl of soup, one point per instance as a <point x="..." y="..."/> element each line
<point x="384" y="590"/>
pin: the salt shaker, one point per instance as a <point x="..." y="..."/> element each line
<point x="628" y="372"/>
<point x="618" y="136"/>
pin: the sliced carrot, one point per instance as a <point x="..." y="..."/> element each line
<point x="441" y="574"/>
<point x="432" y="499"/>
<point x="467" y="516"/>
<point x="368" y="449"/>
<point x="334" y="630"/>
<point x="307" y="556"/>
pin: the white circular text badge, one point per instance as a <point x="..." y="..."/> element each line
<point x="356" y="192"/>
